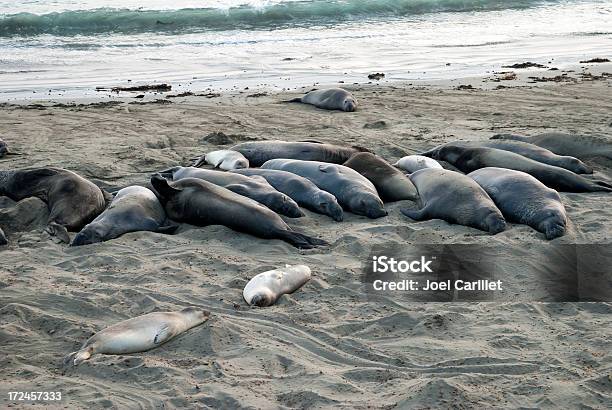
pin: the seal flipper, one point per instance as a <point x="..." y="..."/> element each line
<point x="76" y="358"/>
<point x="603" y="186"/>
<point x="163" y="335"/>
<point x="162" y="186"/>
<point x="3" y="240"/>
<point x="301" y="241"/>
<point x="416" y="214"/>
<point x="167" y="229"/>
<point x="59" y="231"/>
<point x="293" y="100"/>
<point x="168" y="173"/>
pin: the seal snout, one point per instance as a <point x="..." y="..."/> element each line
<point x="350" y="105"/>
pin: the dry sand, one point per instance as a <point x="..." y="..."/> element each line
<point x="328" y="345"/>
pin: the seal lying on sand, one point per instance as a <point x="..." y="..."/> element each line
<point x="524" y="199"/>
<point x="258" y="152"/>
<point x="133" y="209"/>
<point x="139" y="334"/>
<point x="3" y="148"/>
<point x="255" y="188"/>
<point x="530" y="151"/>
<point x="455" y="198"/>
<point x="391" y="184"/>
<point x="412" y="163"/>
<point x="73" y="201"/>
<point x="300" y="189"/>
<point x="202" y="203"/>
<point x="223" y="159"/>
<point x="470" y="159"/>
<point x="581" y="146"/>
<point x="329" y="99"/>
<point x="353" y="191"/>
<point x="265" y="288"/>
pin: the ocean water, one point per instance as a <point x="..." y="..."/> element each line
<point x="65" y="49"/>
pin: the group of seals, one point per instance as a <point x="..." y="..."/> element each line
<point x="455" y="198"/>
<point x="138" y="334"/>
<point x="469" y="159"/>
<point x="133" y="209"/>
<point x="566" y="144"/>
<point x="73" y="201"/>
<point x="202" y="203"/>
<point x="224" y="159"/>
<point x="329" y="99"/>
<point x="258" y="152"/>
<point x="353" y="191"/>
<point x="256" y="188"/>
<point x="265" y="288"/>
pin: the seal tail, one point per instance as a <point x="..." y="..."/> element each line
<point x="508" y="137"/>
<point x="301" y="241"/>
<point x="199" y="161"/>
<point x="76" y="358"/>
<point x="293" y="100"/>
<point x="602" y="186"/>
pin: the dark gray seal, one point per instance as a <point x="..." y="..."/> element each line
<point x="581" y="146"/>
<point x="391" y="184"/>
<point x="329" y="99"/>
<point x="531" y="151"/>
<point x="258" y="189"/>
<point x="3" y="148"/>
<point x="455" y="198"/>
<point x="133" y="209"/>
<point x="73" y="201"/>
<point x="202" y="203"/>
<point x="258" y="152"/>
<point x="523" y="199"/>
<point x="353" y="191"/>
<point x="300" y="189"/>
<point x="470" y="159"/>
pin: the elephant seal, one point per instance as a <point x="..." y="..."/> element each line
<point x="224" y="159"/>
<point x="300" y="189"/>
<point x="255" y="188"/>
<point x="353" y="191"/>
<point x="133" y="209"/>
<point x="138" y="334"/>
<point x="73" y="201"/>
<point x="470" y="159"/>
<point x="202" y="203"/>
<point x="329" y="99"/>
<point x="456" y="198"/>
<point x="258" y="152"/>
<point x="265" y="288"/>
<point x="391" y="184"/>
<point x="523" y="199"/>
<point x="3" y="148"/>
<point x="529" y="151"/>
<point x="412" y="163"/>
<point x="581" y="146"/>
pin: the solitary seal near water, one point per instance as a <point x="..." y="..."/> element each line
<point x="73" y="201"/>
<point x="258" y="152"/>
<point x="523" y="199"/>
<point x="139" y="334"/>
<point x="265" y="288"/>
<point x="133" y="209"/>
<point x="412" y="163"/>
<point x="391" y="184"/>
<point x="329" y="99"/>
<point x="581" y="146"/>
<point x="300" y="189"/>
<point x="353" y="191"/>
<point x="255" y="188"/>
<point x="530" y="151"/>
<point x="202" y="203"/>
<point x="224" y="159"/>
<point x="456" y="198"/>
<point x="470" y="159"/>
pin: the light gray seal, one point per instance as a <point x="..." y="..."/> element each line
<point x="138" y="334"/>
<point x="202" y="203"/>
<point x="391" y="184"/>
<point x="258" y="152"/>
<point x="133" y="209"/>
<point x="581" y="146"/>
<point x="470" y="159"/>
<point x="523" y="199"/>
<point x="353" y="191"/>
<point x="73" y="201"/>
<point x="265" y="288"/>
<point x="528" y="150"/>
<point x="255" y="188"/>
<point x="329" y="99"/>
<point x="300" y="189"/>
<point x="455" y="198"/>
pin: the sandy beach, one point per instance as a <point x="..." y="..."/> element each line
<point x="329" y="344"/>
